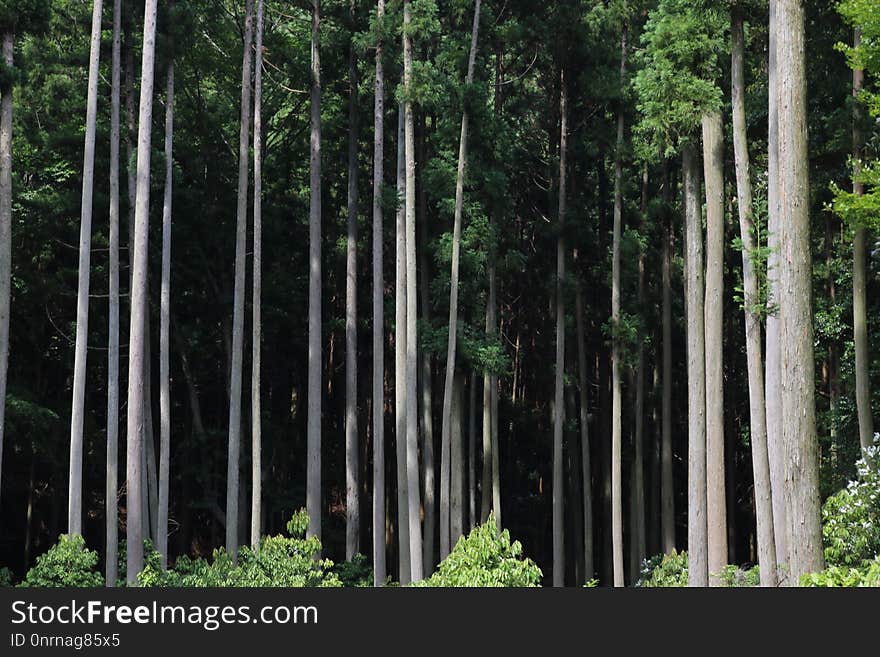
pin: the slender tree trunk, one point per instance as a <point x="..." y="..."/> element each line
<point x="378" y="317"/>
<point x="757" y="410"/>
<point x="638" y="491"/>
<point x="400" y="359"/>
<point x="6" y="47"/>
<point x="586" y="475"/>
<point x="667" y="484"/>
<point x="772" y="374"/>
<point x="445" y="543"/>
<point x="137" y="351"/>
<point x="165" y="323"/>
<point x="232" y="469"/>
<point x="558" y="403"/>
<point x="698" y="573"/>
<point x="352" y="501"/>
<point x="616" y="401"/>
<point x="472" y="452"/>
<point x="860" y="315"/>
<point x="456" y="496"/>
<point x="795" y="300"/>
<point x="412" y="351"/>
<point x="111" y="505"/>
<point x="257" y="325"/>
<point x="716" y="509"/>
<point x="74" y="496"/>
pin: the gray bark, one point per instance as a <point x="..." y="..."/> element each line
<point x="757" y="410"/>
<point x="232" y="463"/>
<point x="77" y="414"/>
<point x="586" y="474"/>
<point x="137" y="350"/>
<point x="5" y="229"/>
<point x="800" y="443"/>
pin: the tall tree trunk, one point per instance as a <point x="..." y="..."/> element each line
<point x="716" y="505"/>
<point x="412" y="361"/>
<point x="795" y="300"/>
<point x="757" y="410"/>
<point x="472" y="452"/>
<point x="137" y="351"/>
<point x="165" y="323"/>
<point x="232" y="470"/>
<point x="456" y="458"/>
<point x="860" y="315"/>
<point x="445" y="543"/>
<point x="667" y="484"/>
<point x="5" y="227"/>
<point x="111" y="505"/>
<point x="698" y="573"/>
<point x="378" y="316"/>
<point x="586" y="467"/>
<point x="352" y="501"/>
<point x="77" y="414"/>
<point x="400" y="359"/>
<point x="616" y="401"/>
<point x="558" y="403"/>
<point x="257" y="325"/>
<point x="772" y="374"/>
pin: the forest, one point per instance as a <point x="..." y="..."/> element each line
<point x="439" y="293"/>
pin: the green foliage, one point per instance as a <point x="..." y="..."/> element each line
<point x="280" y="561"/>
<point x="67" y="563"/>
<point x="868" y="574"/>
<point x="6" y="578"/>
<point x="664" y="570"/>
<point x="356" y="573"/>
<point x="851" y="517"/>
<point x="734" y="576"/>
<point x="485" y="558"/>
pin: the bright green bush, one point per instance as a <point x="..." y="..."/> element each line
<point x="67" y="563"/>
<point x="664" y="570"/>
<point x="851" y="517"/>
<point x="485" y="558"/>
<point x="281" y="561"/>
<point x="868" y="574"/>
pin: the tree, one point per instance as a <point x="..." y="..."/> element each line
<point x="257" y="328"/>
<point x="74" y="496"/>
<point x="558" y="404"/>
<point x="232" y="463"/>
<point x="412" y="421"/>
<point x="165" y="315"/>
<point x="799" y="438"/>
<point x="137" y="339"/>
<point x="5" y="225"/>
<point x="313" y="458"/>
<point x="378" y="314"/>
<point x="352" y="503"/>
<point x="445" y="458"/>
<point x="616" y="405"/>
<point x="713" y="172"/>
<point x="111" y="505"/>
<point x="751" y="306"/>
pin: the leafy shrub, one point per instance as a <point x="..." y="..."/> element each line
<point x="280" y="561"/>
<point x="355" y="573"/>
<point x="486" y="557"/>
<point x="664" y="570"/>
<point x="851" y="517"/>
<point x="734" y="576"/>
<point x="868" y="574"/>
<point x="67" y="563"/>
<point x="6" y="577"/>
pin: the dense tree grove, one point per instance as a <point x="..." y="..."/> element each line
<point x="620" y="254"/>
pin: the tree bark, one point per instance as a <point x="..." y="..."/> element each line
<point x="716" y="505"/>
<point x="257" y="325"/>
<point x="800" y="443"/>
<point x="698" y="573"/>
<point x="6" y="48"/>
<point x="378" y="316"/>
<point x="77" y="414"/>
<point x="352" y="501"/>
<point x="860" y="303"/>
<point x="137" y="351"/>
<point x="751" y="298"/>
<point x="232" y="467"/>
<point x="558" y="403"/>
<point x="586" y="467"/>
<point x="165" y="323"/>
<point x="667" y="484"/>
<point x="445" y="542"/>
